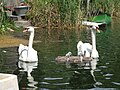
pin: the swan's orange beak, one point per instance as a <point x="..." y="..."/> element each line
<point x="97" y="29"/>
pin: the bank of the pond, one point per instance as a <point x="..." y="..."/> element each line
<point x="11" y="41"/>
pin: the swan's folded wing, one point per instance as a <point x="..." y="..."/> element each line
<point x="86" y="49"/>
<point x="32" y="55"/>
<point x="21" y="48"/>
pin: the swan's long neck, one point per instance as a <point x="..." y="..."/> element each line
<point x="93" y="33"/>
<point x="31" y="39"/>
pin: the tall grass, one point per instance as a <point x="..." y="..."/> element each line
<point x="105" y="6"/>
<point x="55" y="13"/>
<point x="66" y="13"/>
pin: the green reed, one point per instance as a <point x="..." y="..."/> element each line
<point x="54" y="13"/>
<point x="66" y="13"/>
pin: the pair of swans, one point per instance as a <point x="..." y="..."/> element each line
<point x="86" y="49"/>
<point x="27" y="53"/>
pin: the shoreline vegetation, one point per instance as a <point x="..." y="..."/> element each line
<point x="61" y="14"/>
<point x="56" y="14"/>
<point x="11" y="41"/>
<point x="68" y="13"/>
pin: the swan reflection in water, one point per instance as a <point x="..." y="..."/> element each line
<point x="28" y="67"/>
<point x="83" y="76"/>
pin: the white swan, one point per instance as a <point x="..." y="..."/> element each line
<point x="27" y="53"/>
<point x="94" y="53"/>
<point x="86" y="49"/>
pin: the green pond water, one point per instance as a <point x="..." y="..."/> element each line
<point x="47" y="74"/>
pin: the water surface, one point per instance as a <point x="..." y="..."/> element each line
<point x="47" y="74"/>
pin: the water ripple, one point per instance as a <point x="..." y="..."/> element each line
<point x="116" y="83"/>
<point x="108" y="74"/>
<point x="61" y="84"/>
<point x="107" y="78"/>
<point x="98" y="83"/>
<point x="103" y="66"/>
<point x="45" y="83"/>
<point x="53" y="78"/>
<point x="97" y="70"/>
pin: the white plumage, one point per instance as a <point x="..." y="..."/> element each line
<point x="27" y="53"/>
<point x="86" y="49"/>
